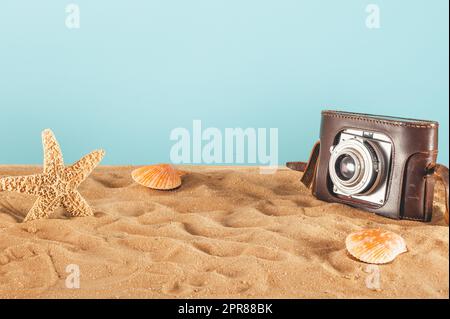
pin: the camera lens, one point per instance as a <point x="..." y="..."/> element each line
<point x="354" y="166"/>
<point x="345" y="167"/>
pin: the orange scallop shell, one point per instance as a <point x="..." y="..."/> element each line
<point x="160" y="176"/>
<point x="375" y="246"/>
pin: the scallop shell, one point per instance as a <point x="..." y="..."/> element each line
<point x="160" y="176"/>
<point x="375" y="246"/>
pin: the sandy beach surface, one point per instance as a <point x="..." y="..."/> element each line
<point x="226" y="233"/>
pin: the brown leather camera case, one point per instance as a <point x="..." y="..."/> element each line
<point x="413" y="170"/>
<point x="411" y="181"/>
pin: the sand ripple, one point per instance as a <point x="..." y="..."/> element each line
<point x="225" y="233"/>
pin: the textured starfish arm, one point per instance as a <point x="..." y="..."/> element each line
<point x="30" y="184"/>
<point x="82" y="168"/>
<point x="53" y="159"/>
<point x="42" y="208"/>
<point x="76" y="205"/>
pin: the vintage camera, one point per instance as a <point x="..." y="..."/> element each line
<point x="386" y="165"/>
<point x="359" y="165"/>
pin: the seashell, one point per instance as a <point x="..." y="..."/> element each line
<point x="375" y="246"/>
<point x="160" y="176"/>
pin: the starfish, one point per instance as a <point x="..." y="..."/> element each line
<point x="57" y="185"/>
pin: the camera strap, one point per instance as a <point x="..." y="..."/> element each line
<point x="441" y="173"/>
<point x="309" y="169"/>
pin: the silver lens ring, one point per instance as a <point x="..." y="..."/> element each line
<point x="366" y="171"/>
<point x="359" y="166"/>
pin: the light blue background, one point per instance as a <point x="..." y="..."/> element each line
<point x="137" y="69"/>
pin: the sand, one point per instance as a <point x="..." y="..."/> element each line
<point x="226" y="233"/>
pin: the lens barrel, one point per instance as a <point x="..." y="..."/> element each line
<point x="355" y="166"/>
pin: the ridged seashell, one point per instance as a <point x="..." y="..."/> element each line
<point x="375" y="246"/>
<point x="160" y="176"/>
